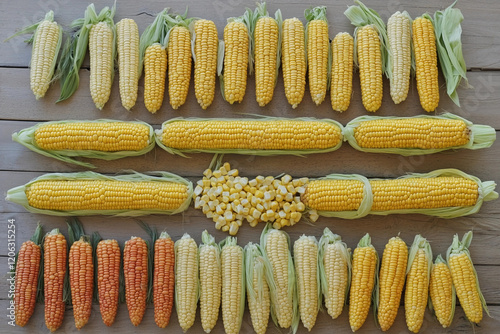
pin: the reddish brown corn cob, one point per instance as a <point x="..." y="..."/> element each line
<point x="108" y="279"/>
<point x="135" y="268"/>
<point x="164" y="279"/>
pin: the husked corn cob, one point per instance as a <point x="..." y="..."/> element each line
<point x="464" y="278"/>
<point x="102" y="56"/>
<point x="305" y="254"/>
<point x="186" y="281"/>
<point x="333" y="195"/>
<point x="293" y="60"/>
<point x="259" y="300"/>
<point x="335" y="271"/>
<point x="341" y="71"/>
<point x="417" y="282"/>
<point x="424" y="44"/>
<point x="233" y="285"/>
<point x="27" y="273"/>
<point x="364" y="272"/>
<point x="210" y="281"/>
<point x="391" y="281"/>
<point x="163" y="279"/>
<point x="266" y="54"/>
<point x="127" y="40"/>
<point x="108" y="279"/>
<point x="399" y="37"/>
<point x="205" y="64"/>
<point x="318" y="44"/>
<point x="442" y="292"/>
<point x="179" y="65"/>
<point x="135" y="269"/>
<point x="81" y="277"/>
<point x="54" y="267"/>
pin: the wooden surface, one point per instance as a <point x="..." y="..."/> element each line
<point x="19" y="109"/>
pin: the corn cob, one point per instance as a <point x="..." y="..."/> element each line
<point x="135" y="268"/>
<point x="417" y="282"/>
<point x="27" y="273"/>
<point x="237" y="60"/>
<point x="364" y="273"/>
<point x="108" y="279"/>
<point x="391" y="281"/>
<point x="97" y="32"/>
<point x="424" y="44"/>
<point x="186" y="281"/>
<point x="163" y="279"/>
<point x="233" y="285"/>
<point x="305" y="254"/>
<point x="335" y="271"/>
<point x="275" y="245"/>
<point x="179" y="61"/>
<point x="465" y="279"/>
<point x="89" y="193"/>
<point x="266" y="136"/>
<point x="442" y="292"/>
<point x="372" y="56"/>
<point x="318" y="44"/>
<point x="445" y="193"/>
<point x="46" y="40"/>
<point x="102" y="139"/>
<point x="293" y="60"/>
<point x="81" y="276"/>
<point x="416" y="135"/>
<point x="210" y="282"/>
<point x="259" y="300"/>
<point x="205" y="61"/>
<point x="266" y="53"/>
<point x="399" y="38"/>
<point x="55" y="266"/>
<point x="341" y="71"/>
<point x="127" y="41"/>
<point x="153" y="55"/>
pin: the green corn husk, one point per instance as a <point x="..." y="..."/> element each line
<point x="159" y="133"/>
<point x="481" y="136"/>
<point x="486" y="191"/>
<point x="439" y="259"/>
<point x="26" y="137"/>
<point x="18" y="194"/>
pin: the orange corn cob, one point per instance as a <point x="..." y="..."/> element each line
<point x="108" y="279"/>
<point x="135" y="268"/>
<point x="164" y="279"/>
<point x="81" y="278"/>
<point x="54" y="257"/>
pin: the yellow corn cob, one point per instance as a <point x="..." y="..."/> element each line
<point x="101" y="51"/>
<point x="370" y="67"/>
<point x="235" y="61"/>
<point x="399" y="36"/>
<point x="317" y="53"/>
<point x="335" y="268"/>
<point x="233" y="285"/>
<point x="98" y="136"/>
<point x="342" y="66"/>
<point x="442" y="292"/>
<point x="333" y="195"/>
<point x="464" y="278"/>
<point x="81" y="276"/>
<point x="179" y="65"/>
<point x="423" y="133"/>
<point x="293" y="60"/>
<point x="305" y="253"/>
<point x="417" y="282"/>
<point x="205" y="65"/>
<point x="155" y="71"/>
<point x="186" y="281"/>
<point x="248" y="134"/>
<point x="276" y="246"/>
<point x="210" y="282"/>
<point x="259" y="302"/>
<point x="108" y="279"/>
<point x="424" y="44"/>
<point x="364" y="271"/>
<point x="391" y="281"/>
<point x="266" y="39"/>
<point x="127" y="39"/>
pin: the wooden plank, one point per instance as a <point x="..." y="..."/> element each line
<point x="480" y="42"/>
